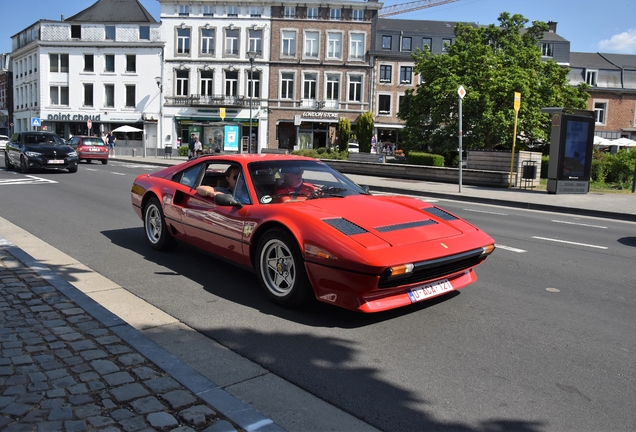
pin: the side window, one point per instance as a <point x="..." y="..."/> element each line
<point x="240" y="191"/>
<point x="189" y="177"/>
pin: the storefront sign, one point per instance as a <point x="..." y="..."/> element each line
<point x="320" y="115"/>
<point x="73" y="117"/>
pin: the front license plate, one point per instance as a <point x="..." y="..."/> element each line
<point x="54" y="161"/>
<point x="429" y="290"/>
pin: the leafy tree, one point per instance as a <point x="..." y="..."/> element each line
<point x="344" y="133"/>
<point x="364" y="131"/>
<point x="492" y="63"/>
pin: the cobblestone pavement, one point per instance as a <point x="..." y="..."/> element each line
<point x="62" y="369"/>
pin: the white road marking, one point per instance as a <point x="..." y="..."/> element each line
<point x="487" y="212"/>
<point x="143" y="166"/>
<point x="29" y="180"/>
<point x="116" y="173"/>
<point x="580" y="224"/>
<point x="509" y="248"/>
<point x="89" y="169"/>
<point x="569" y="242"/>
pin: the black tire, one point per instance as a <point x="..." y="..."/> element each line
<point x="104" y="161"/>
<point x="89" y="161"/>
<point x="155" y="227"/>
<point x="281" y="269"/>
<point x="24" y="166"/>
<point x="72" y="169"/>
<point x="7" y="163"/>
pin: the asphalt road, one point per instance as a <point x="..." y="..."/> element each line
<point x="544" y="341"/>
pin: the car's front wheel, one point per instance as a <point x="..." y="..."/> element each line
<point x="7" y="163"/>
<point x="104" y="161"/>
<point x="24" y="165"/>
<point x="156" y="228"/>
<point x="281" y="269"/>
<point x="72" y="169"/>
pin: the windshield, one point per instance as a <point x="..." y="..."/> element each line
<point x="46" y="139"/>
<point x="290" y="180"/>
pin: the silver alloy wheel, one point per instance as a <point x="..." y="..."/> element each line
<point x="154" y="223"/>
<point x="278" y="268"/>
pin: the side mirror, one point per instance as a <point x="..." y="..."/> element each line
<point x="226" y="200"/>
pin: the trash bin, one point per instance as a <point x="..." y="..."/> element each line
<point x="168" y="152"/>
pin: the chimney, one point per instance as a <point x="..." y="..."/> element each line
<point x="552" y="26"/>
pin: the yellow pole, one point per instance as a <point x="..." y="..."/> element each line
<point x="517" y="104"/>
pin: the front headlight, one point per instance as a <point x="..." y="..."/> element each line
<point x="32" y="154"/>
<point x="72" y="154"/>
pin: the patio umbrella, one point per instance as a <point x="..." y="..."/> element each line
<point x="600" y="141"/>
<point x="127" y="128"/>
<point x="623" y="142"/>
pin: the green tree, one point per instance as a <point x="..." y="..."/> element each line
<point x="344" y="133"/>
<point x="364" y="131"/>
<point x="492" y="63"/>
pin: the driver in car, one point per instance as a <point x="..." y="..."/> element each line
<point x="293" y="184"/>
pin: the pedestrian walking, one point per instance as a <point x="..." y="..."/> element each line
<point x="198" y="148"/>
<point x="111" y="143"/>
<point x="191" y="146"/>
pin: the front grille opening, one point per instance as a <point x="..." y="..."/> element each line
<point x="435" y="269"/>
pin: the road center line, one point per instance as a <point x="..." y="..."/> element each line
<point x="487" y="212"/>
<point x="509" y="248"/>
<point x="580" y="224"/>
<point x="569" y="242"/>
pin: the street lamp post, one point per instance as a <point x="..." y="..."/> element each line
<point x="249" y="142"/>
<point x="159" y="139"/>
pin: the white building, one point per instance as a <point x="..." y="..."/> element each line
<point x="206" y="79"/>
<point x="92" y="66"/>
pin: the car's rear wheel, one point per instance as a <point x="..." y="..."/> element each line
<point x="104" y="161"/>
<point x="24" y="165"/>
<point x="281" y="269"/>
<point x="156" y="228"/>
<point x="89" y="161"/>
<point x="7" y="163"/>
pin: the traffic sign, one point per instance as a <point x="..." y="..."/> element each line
<point x="36" y="121"/>
<point x="461" y="91"/>
<point x="89" y="123"/>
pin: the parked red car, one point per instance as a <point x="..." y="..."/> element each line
<point x="90" y="148"/>
<point x="325" y="238"/>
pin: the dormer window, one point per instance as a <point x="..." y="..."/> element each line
<point x="590" y="77"/>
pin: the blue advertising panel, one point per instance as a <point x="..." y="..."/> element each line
<point x="231" y="138"/>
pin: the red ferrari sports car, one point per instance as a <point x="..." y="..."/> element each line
<point x="310" y="232"/>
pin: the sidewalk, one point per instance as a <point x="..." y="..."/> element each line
<point x="68" y="364"/>
<point x="614" y="206"/>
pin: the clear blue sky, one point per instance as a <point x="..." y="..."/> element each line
<point x="589" y="25"/>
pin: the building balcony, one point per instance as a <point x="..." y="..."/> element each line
<point x="212" y="100"/>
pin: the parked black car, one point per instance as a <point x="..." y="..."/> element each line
<point x="38" y="150"/>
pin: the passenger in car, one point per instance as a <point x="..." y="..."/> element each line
<point x="231" y="174"/>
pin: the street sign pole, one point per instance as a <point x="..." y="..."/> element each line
<point x="517" y="104"/>
<point x="461" y="91"/>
